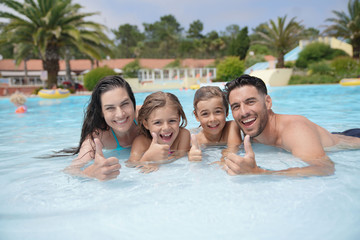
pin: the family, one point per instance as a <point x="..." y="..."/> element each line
<point x="156" y="131"/>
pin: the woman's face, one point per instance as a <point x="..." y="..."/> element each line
<point x="118" y="109"/>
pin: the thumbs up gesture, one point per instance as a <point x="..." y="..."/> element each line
<point x="242" y="165"/>
<point x="103" y="168"/>
<point x="195" y="151"/>
<point x="156" y="151"/>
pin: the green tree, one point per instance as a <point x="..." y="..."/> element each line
<point x="280" y="37"/>
<point x="52" y="25"/>
<point x="240" y="45"/>
<point x="195" y="30"/>
<point x="128" y="36"/>
<point x="347" y="25"/>
<point x="131" y="69"/>
<point x="162" y="37"/>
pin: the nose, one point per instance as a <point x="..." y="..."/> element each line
<point x="120" y="112"/>
<point x="244" y="110"/>
<point x="166" y="125"/>
<point x="211" y="117"/>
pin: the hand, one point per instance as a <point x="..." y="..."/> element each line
<point x="156" y="151"/>
<point x="195" y="152"/>
<point x="235" y="164"/>
<point x="103" y="168"/>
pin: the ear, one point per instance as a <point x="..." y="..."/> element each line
<point x="145" y="123"/>
<point x="196" y="116"/>
<point x="268" y="102"/>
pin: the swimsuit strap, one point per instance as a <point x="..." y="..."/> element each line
<point x="118" y="147"/>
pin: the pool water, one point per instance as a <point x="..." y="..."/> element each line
<point x="182" y="200"/>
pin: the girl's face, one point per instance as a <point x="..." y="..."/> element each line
<point x="118" y="109"/>
<point x="211" y="114"/>
<point x="164" y="122"/>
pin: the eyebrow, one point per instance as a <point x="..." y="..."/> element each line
<point x="108" y="105"/>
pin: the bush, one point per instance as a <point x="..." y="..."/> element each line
<point x="95" y="75"/>
<point x="344" y="64"/>
<point x="175" y="64"/>
<point x="315" y="52"/>
<point x="131" y="69"/>
<point x="320" y="68"/>
<point x="230" y="68"/>
<point x="313" y="79"/>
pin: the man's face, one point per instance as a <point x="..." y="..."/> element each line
<point x="250" y="109"/>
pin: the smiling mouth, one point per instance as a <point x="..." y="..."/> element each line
<point x="213" y="126"/>
<point x="121" y="121"/>
<point x="248" y="122"/>
<point x="166" y="137"/>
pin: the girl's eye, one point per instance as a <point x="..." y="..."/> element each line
<point x="204" y="114"/>
<point x="173" y="120"/>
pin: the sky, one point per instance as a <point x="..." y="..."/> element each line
<point x="214" y="14"/>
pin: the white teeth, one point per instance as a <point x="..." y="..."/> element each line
<point x="121" y="121"/>
<point x="249" y="120"/>
<point x="166" y="135"/>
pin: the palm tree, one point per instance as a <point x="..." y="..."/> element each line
<point x="53" y="25"/>
<point x="280" y="37"/>
<point x="347" y="26"/>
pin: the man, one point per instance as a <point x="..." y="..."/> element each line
<point x="251" y="108"/>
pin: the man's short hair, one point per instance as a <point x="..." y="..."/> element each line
<point x="244" y="80"/>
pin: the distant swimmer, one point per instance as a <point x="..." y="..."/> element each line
<point x="251" y="109"/>
<point x="19" y="99"/>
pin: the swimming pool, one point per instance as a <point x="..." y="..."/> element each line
<point x="183" y="200"/>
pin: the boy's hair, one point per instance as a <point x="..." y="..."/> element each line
<point x="244" y="80"/>
<point x="157" y="100"/>
<point x="208" y="92"/>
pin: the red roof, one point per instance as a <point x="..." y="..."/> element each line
<point x="79" y="65"/>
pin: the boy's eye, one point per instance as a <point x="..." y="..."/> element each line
<point x="204" y="114"/>
<point x="173" y="120"/>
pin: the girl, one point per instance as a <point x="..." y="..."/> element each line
<point x="109" y="123"/>
<point x="211" y="109"/>
<point x="162" y="121"/>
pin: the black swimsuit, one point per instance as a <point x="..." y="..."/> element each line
<point x="355" y="132"/>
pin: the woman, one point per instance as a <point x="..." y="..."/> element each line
<point x="110" y="123"/>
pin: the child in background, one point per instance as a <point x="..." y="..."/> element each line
<point x="19" y="100"/>
<point x="211" y="109"/>
<point x="162" y="120"/>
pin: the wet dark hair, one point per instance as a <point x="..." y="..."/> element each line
<point x="245" y="80"/>
<point x="208" y="92"/>
<point x="93" y="118"/>
<point x="157" y="100"/>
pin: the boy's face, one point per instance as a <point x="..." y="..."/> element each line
<point x="211" y="114"/>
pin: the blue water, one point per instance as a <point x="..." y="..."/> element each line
<point x="182" y="200"/>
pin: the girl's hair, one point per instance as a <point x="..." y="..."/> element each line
<point x="157" y="100"/>
<point x="208" y="92"/>
<point x="93" y="118"/>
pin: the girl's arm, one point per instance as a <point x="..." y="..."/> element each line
<point x="102" y="168"/>
<point x="139" y="146"/>
<point x="183" y="145"/>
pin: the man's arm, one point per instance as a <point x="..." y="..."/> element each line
<point x="319" y="164"/>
